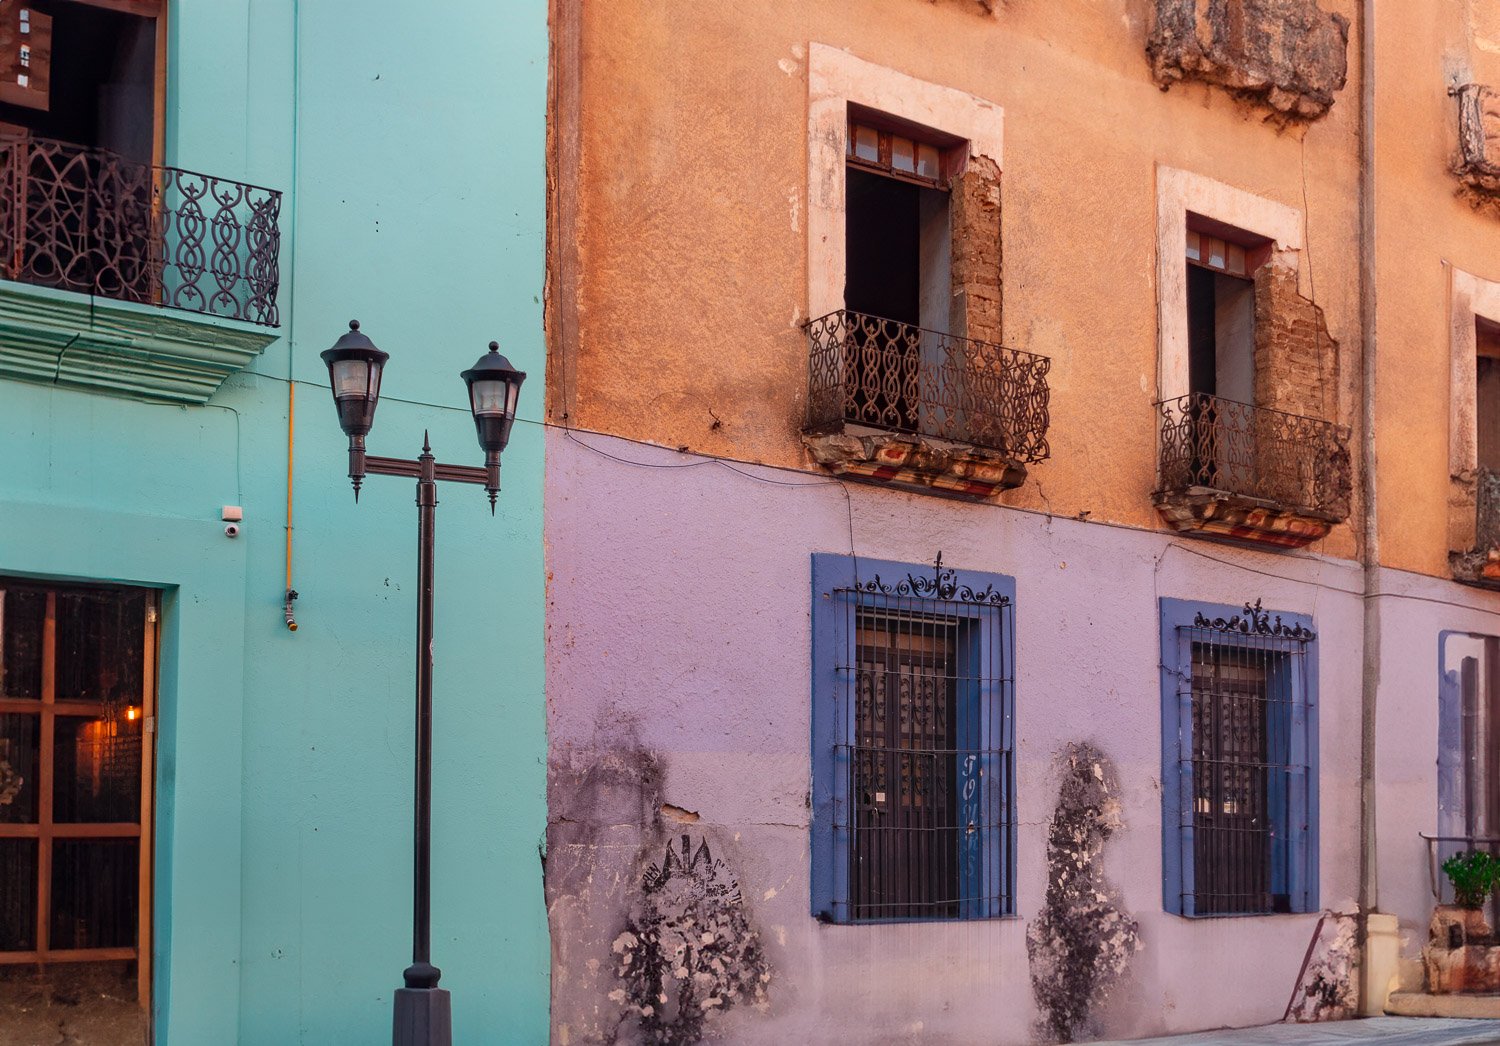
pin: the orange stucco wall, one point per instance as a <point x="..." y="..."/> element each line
<point x="1423" y="226"/>
<point x="679" y="322"/>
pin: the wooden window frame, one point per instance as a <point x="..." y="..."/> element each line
<point x="952" y="151"/>
<point x="47" y="708"/>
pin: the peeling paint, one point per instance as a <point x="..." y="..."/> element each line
<point x="1082" y="941"/>
<point x="1327" y="991"/>
<point x="688" y="952"/>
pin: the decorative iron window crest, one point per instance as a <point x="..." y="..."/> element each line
<point x="943" y="584"/>
<point x="1256" y="622"/>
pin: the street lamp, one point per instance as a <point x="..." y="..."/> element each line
<point x="423" y="1016"/>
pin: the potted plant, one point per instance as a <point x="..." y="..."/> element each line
<point x="1474" y="875"/>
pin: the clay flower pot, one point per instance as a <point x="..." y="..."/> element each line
<point x="1453" y="926"/>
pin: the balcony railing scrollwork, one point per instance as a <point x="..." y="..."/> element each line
<point x="1284" y="459"/>
<point x="869" y="371"/>
<point x="88" y="220"/>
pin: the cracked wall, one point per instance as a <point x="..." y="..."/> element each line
<point x="1289" y="55"/>
<point x="1083" y="939"/>
<point x="1296" y="360"/>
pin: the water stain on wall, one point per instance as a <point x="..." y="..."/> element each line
<point x="1081" y="943"/>
<point x="688" y="952"/>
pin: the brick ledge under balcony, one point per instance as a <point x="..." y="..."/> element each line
<point x="72" y="340"/>
<point x="1248" y="474"/>
<point x="915" y="462"/>
<point x="905" y="406"/>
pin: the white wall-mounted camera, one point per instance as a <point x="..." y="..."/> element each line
<point x="232" y="515"/>
<point x="231" y="530"/>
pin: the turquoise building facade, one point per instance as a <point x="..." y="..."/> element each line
<point x="407" y="141"/>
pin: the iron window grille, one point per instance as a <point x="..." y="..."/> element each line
<point x="914" y="773"/>
<point x="1239" y="761"/>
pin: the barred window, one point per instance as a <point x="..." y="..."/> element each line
<point x="1239" y="760"/>
<point x="912" y="720"/>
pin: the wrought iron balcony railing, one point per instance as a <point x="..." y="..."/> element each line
<point x="865" y="370"/>
<point x="1289" y="460"/>
<point x="89" y="220"/>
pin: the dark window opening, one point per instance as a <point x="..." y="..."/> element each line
<point x="1221" y="335"/>
<point x="100" y="75"/>
<point x="1487" y="393"/>
<point x="882" y="247"/>
<point x="897" y="270"/>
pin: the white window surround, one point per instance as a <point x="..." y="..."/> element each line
<point x="1470" y="298"/>
<point x="835" y="79"/>
<point x="1179" y="192"/>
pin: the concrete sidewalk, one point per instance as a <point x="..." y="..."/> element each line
<point x="1386" y="1031"/>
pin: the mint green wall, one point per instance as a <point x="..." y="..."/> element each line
<point x="408" y="139"/>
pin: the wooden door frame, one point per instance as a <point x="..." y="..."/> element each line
<point x="46" y="707"/>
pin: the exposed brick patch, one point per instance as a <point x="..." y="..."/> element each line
<point x="1296" y="361"/>
<point x="976" y="260"/>
<point x="975" y="213"/>
<point x="1290" y="55"/>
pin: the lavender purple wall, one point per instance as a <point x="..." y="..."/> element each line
<point x="678" y="704"/>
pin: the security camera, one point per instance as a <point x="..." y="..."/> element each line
<point x="231" y="530"/>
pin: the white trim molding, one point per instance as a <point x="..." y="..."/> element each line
<point x="1470" y="298"/>
<point x="837" y="78"/>
<point x="1179" y="193"/>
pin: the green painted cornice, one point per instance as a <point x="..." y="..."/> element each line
<point x="115" y="348"/>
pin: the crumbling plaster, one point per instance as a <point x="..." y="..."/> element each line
<point x="1288" y="55"/>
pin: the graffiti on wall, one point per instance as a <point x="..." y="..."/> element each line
<point x="688" y="952"/>
<point x="1082" y="941"/>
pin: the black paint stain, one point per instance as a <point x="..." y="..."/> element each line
<point x="688" y="952"/>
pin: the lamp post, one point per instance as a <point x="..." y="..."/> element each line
<point x="423" y="1016"/>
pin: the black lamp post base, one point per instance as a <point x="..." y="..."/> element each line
<point x="423" y="1017"/>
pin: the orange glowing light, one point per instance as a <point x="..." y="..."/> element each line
<point x="132" y="713"/>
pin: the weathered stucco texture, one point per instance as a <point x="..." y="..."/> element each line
<point x="1426" y="231"/>
<point x="688" y="218"/>
<point x="1290" y="55"/>
<point x="679" y="704"/>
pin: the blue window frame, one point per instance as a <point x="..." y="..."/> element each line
<point x="1239" y="760"/>
<point x="913" y="726"/>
